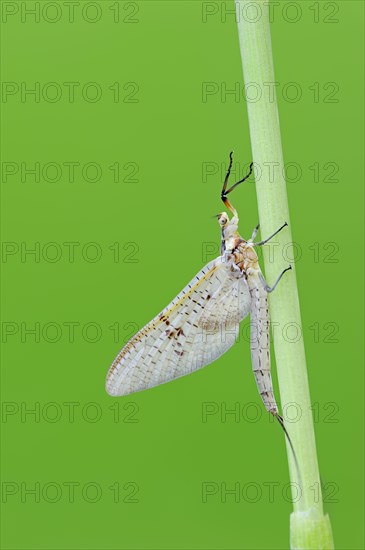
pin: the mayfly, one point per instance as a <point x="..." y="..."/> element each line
<point x="202" y="322"/>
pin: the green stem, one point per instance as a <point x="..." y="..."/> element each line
<point x="310" y="528"/>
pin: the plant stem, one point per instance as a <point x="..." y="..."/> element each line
<point x="310" y="528"/>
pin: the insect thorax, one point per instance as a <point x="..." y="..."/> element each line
<point x="244" y="255"/>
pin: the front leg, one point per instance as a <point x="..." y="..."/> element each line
<point x="260" y="243"/>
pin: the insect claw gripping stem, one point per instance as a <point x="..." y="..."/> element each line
<point x="225" y="192"/>
<point x="271" y="236"/>
<point x="272" y="288"/>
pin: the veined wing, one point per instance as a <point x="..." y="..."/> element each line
<point x="198" y="326"/>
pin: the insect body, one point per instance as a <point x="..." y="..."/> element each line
<point x="202" y="322"/>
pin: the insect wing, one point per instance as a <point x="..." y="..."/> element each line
<point x="198" y="326"/>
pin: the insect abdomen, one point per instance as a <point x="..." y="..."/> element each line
<point x="260" y="344"/>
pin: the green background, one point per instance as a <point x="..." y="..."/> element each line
<point x="155" y="445"/>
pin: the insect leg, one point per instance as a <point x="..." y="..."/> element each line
<point x="254" y="233"/>
<point x="228" y="173"/>
<point x="225" y="192"/>
<point x="271" y="288"/>
<point x="260" y="243"/>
